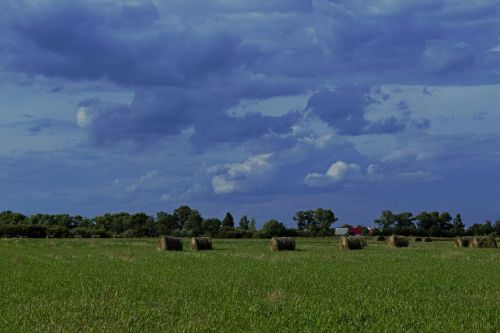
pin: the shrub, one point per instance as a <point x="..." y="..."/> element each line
<point x="82" y="232"/>
<point x="58" y="232"/>
<point x="23" y="230"/>
<point x="273" y="228"/>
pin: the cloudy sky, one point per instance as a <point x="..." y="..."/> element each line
<point x="257" y="107"/>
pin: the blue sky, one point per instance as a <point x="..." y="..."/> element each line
<point x="261" y="108"/>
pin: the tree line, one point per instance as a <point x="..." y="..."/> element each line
<point x="185" y="221"/>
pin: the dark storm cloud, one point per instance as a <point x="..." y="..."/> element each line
<point x="189" y="69"/>
<point x="169" y="111"/>
<point x="35" y="126"/>
<point x="344" y="109"/>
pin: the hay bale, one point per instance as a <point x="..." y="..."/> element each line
<point x="168" y="243"/>
<point x="427" y="240"/>
<point x="282" y="243"/>
<point x="418" y="239"/>
<point x="462" y="242"/>
<point x="201" y="243"/>
<point x="351" y="243"/>
<point x="484" y="242"/>
<point x="380" y="239"/>
<point x="398" y="241"/>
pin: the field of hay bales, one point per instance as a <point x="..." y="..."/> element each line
<point x="127" y="285"/>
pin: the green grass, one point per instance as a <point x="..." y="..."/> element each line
<point x="126" y="285"/>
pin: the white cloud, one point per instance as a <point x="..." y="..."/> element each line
<point x="149" y="175"/>
<point x="254" y="163"/>
<point x="131" y="188"/>
<point x="166" y="197"/>
<point x="341" y="171"/>
<point x="239" y="176"/>
<point x="317" y="180"/>
<point x="83" y="117"/>
<point x="222" y="185"/>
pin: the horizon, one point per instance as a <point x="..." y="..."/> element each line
<point x="259" y="109"/>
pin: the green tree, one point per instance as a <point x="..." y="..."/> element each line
<point x="244" y="223"/>
<point x="212" y="226"/>
<point x="166" y="223"/>
<point x="324" y="218"/>
<point x="228" y="221"/>
<point x="458" y="228"/>
<point x="9" y="217"/>
<point x="181" y="214"/>
<point x="386" y="222"/>
<point x="273" y="228"/>
<point x="497" y="227"/>
<point x="305" y="221"/>
<point x="252" y="225"/>
<point x="194" y="224"/>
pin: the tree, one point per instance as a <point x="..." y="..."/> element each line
<point x="9" y="217"/>
<point x="166" y="223"/>
<point x="273" y="228"/>
<point x="244" y="223"/>
<point x="181" y="215"/>
<point x="434" y="224"/>
<point x="194" y="224"/>
<point x="212" y="226"/>
<point x="386" y="222"/>
<point x="458" y="228"/>
<point x="324" y="218"/>
<point x="228" y="221"/>
<point x="305" y="221"/>
<point x="251" y="225"/>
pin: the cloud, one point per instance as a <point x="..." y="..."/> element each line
<point x="240" y="176"/>
<point x="186" y="64"/>
<point x="338" y="172"/>
<point x="345" y="109"/>
<point x="83" y="118"/>
<point x="443" y="57"/>
<point x="168" y="112"/>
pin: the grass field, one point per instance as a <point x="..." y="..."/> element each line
<point x="126" y="285"/>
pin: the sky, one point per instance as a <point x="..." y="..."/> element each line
<point x="255" y="107"/>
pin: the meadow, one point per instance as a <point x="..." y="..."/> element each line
<point x="52" y="285"/>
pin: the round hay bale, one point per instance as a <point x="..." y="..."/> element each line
<point x="462" y="242"/>
<point x="380" y="239"/>
<point x="282" y="243"/>
<point x="201" y="243"/>
<point x="418" y="239"/>
<point x="484" y="242"/>
<point x="427" y="240"/>
<point x="351" y="243"/>
<point x="398" y="241"/>
<point x="168" y="243"/>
